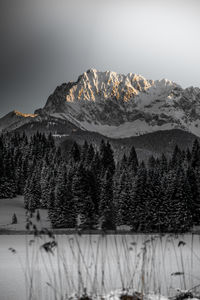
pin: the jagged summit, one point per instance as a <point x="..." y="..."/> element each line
<point x="98" y="86"/>
<point x="118" y="105"/>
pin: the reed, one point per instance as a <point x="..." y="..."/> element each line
<point x="78" y="266"/>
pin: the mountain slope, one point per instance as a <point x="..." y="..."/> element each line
<point x="46" y="124"/>
<point x="154" y="143"/>
<point x="14" y="120"/>
<point x="120" y="106"/>
<point x="113" y="105"/>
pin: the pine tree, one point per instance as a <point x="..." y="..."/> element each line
<point x="62" y="209"/>
<point x="84" y="151"/>
<point x="94" y="190"/>
<point x="51" y="205"/>
<point x="60" y="198"/>
<point x="133" y="160"/>
<point x="23" y="175"/>
<point x="32" y="191"/>
<point x="10" y="188"/>
<point x="195" y="156"/>
<point x="88" y="218"/>
<point x="27" y="193"/>
<point x="69" y="209"/>
<point x="50" y="142"/>
<point x="123" y="202"/>
<point x="106" y="208"/>
<point x="176" y="158"/>
<point x="194" y="204"/>
<point x="152" y="162"/>
<point x="180" y="215"/>
<point x="89" y="156"/>
<point x="84" y="196"/>
<point x="95" y="181"/>
<point x="195" y="188"/>
<point x="80" y="187"/>
<point x="138" y="209"/>
<point x="14" y="219"/>
<point x="75" y="152"/>
<point x="44" y="181"/>
<point x="166" y="195"/>
<point x="106" y="158"/>
<point x="124" y="163"/>
<point x="188" y="155"/>
<point x="153" y="198"/>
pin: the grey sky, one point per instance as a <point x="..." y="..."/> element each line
<point x="47" y="42"/>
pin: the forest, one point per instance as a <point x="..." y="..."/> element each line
<point x="89" y="189"/>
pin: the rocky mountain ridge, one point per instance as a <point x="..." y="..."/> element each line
<point x="118" y="106"/>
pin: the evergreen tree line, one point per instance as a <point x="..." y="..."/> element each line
<point x="90" y="190"/>
<point x="18" y="157"/>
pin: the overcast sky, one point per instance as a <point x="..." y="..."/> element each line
<point x="47" y="42"/>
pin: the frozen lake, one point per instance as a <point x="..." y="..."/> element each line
<point x="98" y="263"/>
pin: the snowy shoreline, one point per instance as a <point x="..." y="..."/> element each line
<point x="94" y="232"/>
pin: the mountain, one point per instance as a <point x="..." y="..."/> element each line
<point x="154" y="143"/>
<point x="122" y="108"/>
<point x="15" y="119"/>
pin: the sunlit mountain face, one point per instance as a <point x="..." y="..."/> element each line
<point x="117" y="106"/>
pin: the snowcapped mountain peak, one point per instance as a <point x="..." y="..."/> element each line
<point x="98" y="86"/>
<point x="166" y="81"/>
<point x="118" y="105"/>
<point x="92" y="70"/>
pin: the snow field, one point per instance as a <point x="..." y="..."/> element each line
<point x="16" y="205"/>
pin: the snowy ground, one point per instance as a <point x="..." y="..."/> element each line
<point x="16" y="205"/>
<point x="100" y="264"/>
